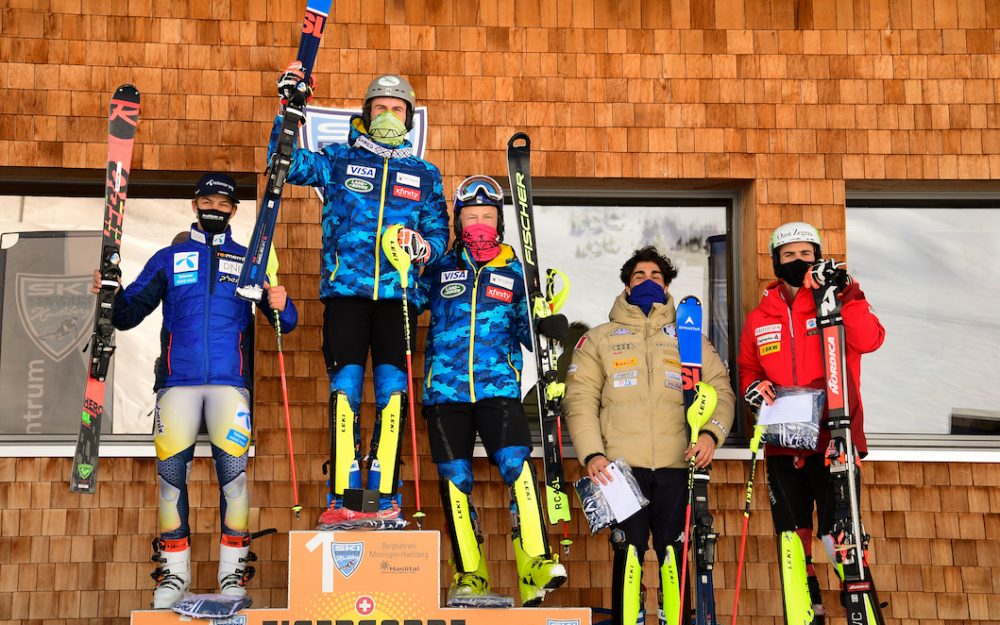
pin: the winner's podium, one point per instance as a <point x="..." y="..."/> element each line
<point x="370" y="578"/>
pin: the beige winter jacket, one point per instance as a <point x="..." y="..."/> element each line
<point x="623" y="391"/>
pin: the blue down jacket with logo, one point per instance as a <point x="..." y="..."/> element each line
<point x="207" y="333"/>
<point x="479" y="320"/>
<point x="368" y="187"/>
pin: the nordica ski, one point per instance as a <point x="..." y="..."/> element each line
<point x="689" y="342"/>
<point x="251" y="282"/>
<point x="860" y="600"/>
<point x="122" y="119"/>
<point x="549" y="405"/>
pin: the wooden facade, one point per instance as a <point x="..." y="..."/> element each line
<point x="791" y="103"/>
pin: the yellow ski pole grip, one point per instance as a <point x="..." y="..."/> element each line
<point x="701" y="410"/>
<point x="397" y="255"/>
<point x="556" y="298"/>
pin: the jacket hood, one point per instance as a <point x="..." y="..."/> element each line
<point x="631" y="315"/>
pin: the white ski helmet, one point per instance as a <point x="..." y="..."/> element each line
<point x="794" y="232"/>
<point x="390" y="86"/>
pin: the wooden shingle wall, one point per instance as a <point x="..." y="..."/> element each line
<point x="789" y="99"/>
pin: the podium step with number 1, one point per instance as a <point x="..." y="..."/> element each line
<point x="371" y="578"/>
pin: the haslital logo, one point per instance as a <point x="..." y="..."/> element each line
<point x="347" y="556"/>
<point x="57" y="311"/>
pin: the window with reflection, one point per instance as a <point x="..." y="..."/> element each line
<point x="931" y="275"/>
<point x="50" y="247"/>
<point x="590" y="242"/>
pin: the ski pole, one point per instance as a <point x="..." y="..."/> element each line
<point x="401" y="261"/>
<point x="697" y="415"/>
<point x="758" y="431"/>
<point x="272" y="276"/>
<point x="555" y="300"/>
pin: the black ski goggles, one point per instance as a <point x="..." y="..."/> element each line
<point x="478" y="189"/>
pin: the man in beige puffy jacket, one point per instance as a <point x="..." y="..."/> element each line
<point x="624" y="399"/>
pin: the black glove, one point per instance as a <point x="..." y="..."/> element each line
<point x="758" y="392"/>
<point x="289" y="84"/>
<point x="829" y="271"/>
<point x="554" y="327"/>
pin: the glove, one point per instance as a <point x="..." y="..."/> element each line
<point x="554" y="327"/>
<point x="758" y="392"/>
<point x="289" y="85"/>
<point x="828" y="271"/>
<point x="415" y="246"/>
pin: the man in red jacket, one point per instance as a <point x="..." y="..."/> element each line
<point x="781" y="346"/>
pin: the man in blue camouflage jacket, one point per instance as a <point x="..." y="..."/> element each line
<point x="370" y="183"/>
<point x="479" y="320"/>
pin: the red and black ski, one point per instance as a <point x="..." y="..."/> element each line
<point x="122" y="119"/>
<point x="251" y="282"/>
<point x="859" y="597"/>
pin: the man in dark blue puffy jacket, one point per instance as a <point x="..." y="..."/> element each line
<point x="370" y="183"/>
<point x="203" y="369"/>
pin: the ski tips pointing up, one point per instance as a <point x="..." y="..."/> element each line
<point x="523" y="138"/>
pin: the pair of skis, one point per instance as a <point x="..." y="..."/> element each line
<point x="123" y="117"/>
<point x="250" y="285"/>
<point x="860" y="600"/>
<point x="549" y="391"/>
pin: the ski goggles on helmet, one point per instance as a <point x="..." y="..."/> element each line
<point x="479" y="190"/>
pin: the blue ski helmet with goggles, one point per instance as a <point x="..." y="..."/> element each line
<point x="478" y="191"/>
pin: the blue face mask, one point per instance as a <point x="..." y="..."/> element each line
<point x="645" y="294"/>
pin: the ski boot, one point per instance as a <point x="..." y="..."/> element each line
<point x="468" y="588"/>
<point x="334" y="516"/>
<point x="537" y="575"/>
<point x="173" y="573"/>
<point x="234" y="568"/>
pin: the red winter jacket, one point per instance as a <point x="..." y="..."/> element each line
<point x="781" y="343"/>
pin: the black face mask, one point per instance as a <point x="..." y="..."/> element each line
<point x="213" y="221"/>
<point x="794" y="273"/>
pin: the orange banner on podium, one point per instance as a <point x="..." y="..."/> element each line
<point x="370" y="578"/>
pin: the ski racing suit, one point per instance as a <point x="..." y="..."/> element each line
<point x="206" y="345"/>
<point x="479" y="321"/>
<point x="781" y="343"/>
<point x="624" y="399"/>
<point x="367" y="187"/>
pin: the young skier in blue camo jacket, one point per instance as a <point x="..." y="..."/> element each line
<point x="479" y="321"/>
<point x="370" y="183"/>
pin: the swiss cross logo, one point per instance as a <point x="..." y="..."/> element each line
<point x="501" y="294"/>
<point x="364" y="605"/>
<point x="406" y="193"/>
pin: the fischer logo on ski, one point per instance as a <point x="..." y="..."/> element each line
<point x="548" y="391"/>
<point x="527" y="242"/>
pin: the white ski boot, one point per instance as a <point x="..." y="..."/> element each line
<point x="173" y="574"/>
<point x="234" y="570"/>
